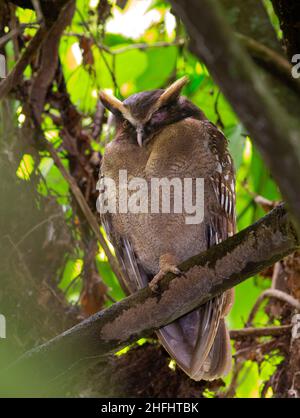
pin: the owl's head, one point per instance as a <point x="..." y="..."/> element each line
<point x="144" y="114"/>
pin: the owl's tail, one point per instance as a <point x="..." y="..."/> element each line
<point x="199" y="341"/>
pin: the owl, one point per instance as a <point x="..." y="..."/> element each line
<point x="162" y="135"/>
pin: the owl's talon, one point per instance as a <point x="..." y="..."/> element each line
<point x="156" y="279"/>
<point x="177" y="271"/>
<point x="167" y="264"/>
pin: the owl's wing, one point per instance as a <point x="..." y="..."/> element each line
<point x="223" y="184"/>
<point x="220" y="224"/>
<point x="134" y="275"/>
<point x="199" y="341"/>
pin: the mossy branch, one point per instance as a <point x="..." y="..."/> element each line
<point x="204" y="276"/>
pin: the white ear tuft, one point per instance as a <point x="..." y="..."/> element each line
<point x="113" y="104"/>
<point x="172" y="92"/>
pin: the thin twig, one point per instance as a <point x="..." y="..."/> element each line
<point x="14" y="24"/>
<point x="238" y="365"/>
<point x="72" y="283"/>
<point x="130" y="47"/>
<point x="38" y="10"/>
<point x="5" y="38"/>
<point x="35" y="227"/>
<point x="14" y="77"/>
<point x="252" y="332"/>
<point x="265" y="347"/>
<point x="216" y="108"/>
<point x="85" y="209"/>
<point x="272" y="293"/>
<point x="98" y="120"/>
<point x="100" y="47"/>
<point x="143" y="46"/>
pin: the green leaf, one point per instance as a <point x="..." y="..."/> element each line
<point x="26" y="167"/>
<point x="70" y="279"/>
<point x="109" y="279"/>
<point x="237" y="141"/>
<point x="54" y="179"/>
<point x="160" y="65"/>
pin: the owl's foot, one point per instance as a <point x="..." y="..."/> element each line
<point x="167" y="264"/>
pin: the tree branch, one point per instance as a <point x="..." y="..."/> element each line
<point x="14" y="77"/>
<point x="274" y="131"/>
<point x="85" y="209"/>
<point x="250" y="19"/>
<point x="49" y="59"/>
<point x="49" y="8"/>
<point x="288" y="12"/>
<point x="16" y="31"/>
<point x="204" y="276"/>
<point x="271" y="60"/>
<point x="251" y="332"/>
<point x="273" y="293"/>
<point x="53" y="29"/>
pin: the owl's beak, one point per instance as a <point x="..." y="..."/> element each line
<point x="139" y="133"/>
